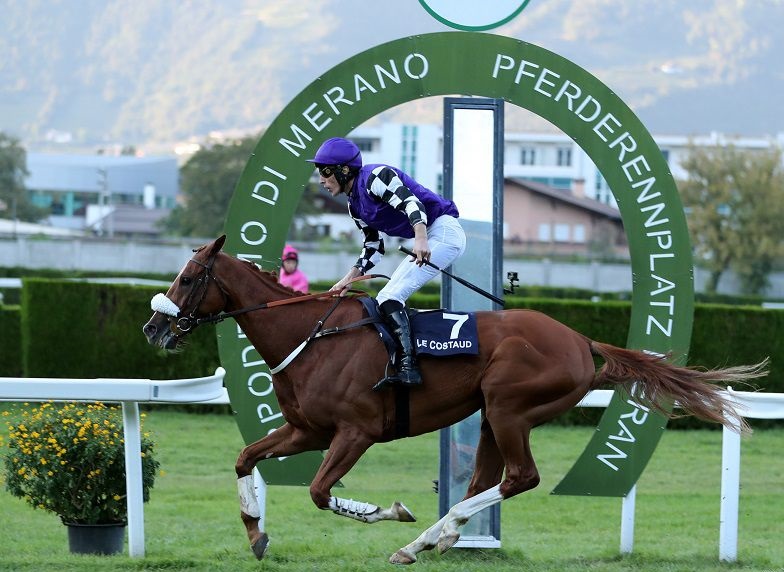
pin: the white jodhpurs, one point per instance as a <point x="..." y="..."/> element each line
<point x="447" y="241"/>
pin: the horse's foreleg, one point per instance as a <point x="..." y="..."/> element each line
<point x="344" y="451"/>
<point x="283" y="442"/>
<point x="368" y="512"/>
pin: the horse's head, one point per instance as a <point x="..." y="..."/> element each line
<point x="195" y="293"/>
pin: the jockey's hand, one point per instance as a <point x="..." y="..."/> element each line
<point x="421" y="247"/>
<point x="345" y="282"/>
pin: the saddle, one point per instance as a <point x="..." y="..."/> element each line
<point x="434" y="332"/>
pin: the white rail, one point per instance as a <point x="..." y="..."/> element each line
<point x="131" y="392"/>
<point x="751" y="406"/>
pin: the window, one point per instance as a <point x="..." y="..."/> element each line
<point x="544" y="232"/>
<point x="365" y="145"/>
<point x="578" y="233"/>
<point x="408" y="154"/>
<point x="564" y="157"/>
<point x="528" y="156"/>
<point x="561" y="233"/>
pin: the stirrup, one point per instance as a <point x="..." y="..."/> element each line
<point x="397" y="378"/>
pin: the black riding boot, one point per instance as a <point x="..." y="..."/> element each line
<point x="407" y="371"/>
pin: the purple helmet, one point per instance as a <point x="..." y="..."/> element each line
<point x="338" y="151"/>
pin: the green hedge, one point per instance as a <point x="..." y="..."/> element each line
<point x="10" y="342"/>
<point x="79" y="329"/>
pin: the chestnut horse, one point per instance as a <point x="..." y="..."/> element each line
<point x="530" y="369"/>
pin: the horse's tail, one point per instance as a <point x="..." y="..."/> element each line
<point x="698" y="392"/>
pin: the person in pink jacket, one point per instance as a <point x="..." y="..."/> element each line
<point x="290" y="274"/>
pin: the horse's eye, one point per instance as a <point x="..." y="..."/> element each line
<point x="186" y="280"/>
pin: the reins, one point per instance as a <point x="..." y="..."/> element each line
<point x="319" y="333"/>
<point x="187" y="323"/>
<point x="214" y="319"/>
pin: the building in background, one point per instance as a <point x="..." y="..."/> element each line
<point x="543" y="220"/>
<point x="127" y="195"/>
<point x="555" y="199"/>
<point x="104" y="195"/>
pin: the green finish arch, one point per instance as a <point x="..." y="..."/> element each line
<point x="522" y="74"/>
<point x="473" y="17"/>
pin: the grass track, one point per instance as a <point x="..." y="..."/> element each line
<point x="192" y="521"/>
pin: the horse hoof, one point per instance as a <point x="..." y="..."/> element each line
<point x="260" y="546"/>
<point x="447" y="541"/>
<point x="403" y="514"/>
<point x="402" y="557"/>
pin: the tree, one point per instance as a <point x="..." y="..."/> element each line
<point x="14" y="202"/>
<point x="207" y="183"/>
<point x="734" y="201"/>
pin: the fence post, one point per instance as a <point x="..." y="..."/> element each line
<point x="627" y="521"/>
<point x="730" y="493"/>
<point x="133" y="477"/>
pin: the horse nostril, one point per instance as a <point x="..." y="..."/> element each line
<point x="149" y="330"/>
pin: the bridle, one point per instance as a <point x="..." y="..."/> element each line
<point x="186" y="323"/>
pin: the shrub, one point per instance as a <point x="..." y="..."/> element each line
<point x="10" y="342"/>
<point x="70" y="460"/>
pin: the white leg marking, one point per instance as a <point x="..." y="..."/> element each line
<point x="459" y="514"/>
<point x="425" y="541"/>
<point x="249" y="504"/>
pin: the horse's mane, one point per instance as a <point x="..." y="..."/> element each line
<point x="269" y="276"/>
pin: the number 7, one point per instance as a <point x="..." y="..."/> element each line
<point x="459" y="319"/>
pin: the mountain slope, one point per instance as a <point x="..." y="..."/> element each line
<point x="159" y="71"/>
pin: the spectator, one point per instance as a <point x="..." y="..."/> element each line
<point x="290" y="274"/>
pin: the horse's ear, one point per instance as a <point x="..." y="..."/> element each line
<point x="217" y="245"/>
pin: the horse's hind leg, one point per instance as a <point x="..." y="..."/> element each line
<point x="521" y="475"/>
<point x="488" y="470"/>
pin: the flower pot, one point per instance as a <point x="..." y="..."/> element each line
<point x="95" y="538"/>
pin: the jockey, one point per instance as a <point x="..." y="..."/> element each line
<point x="290" y="274"/>
<point x="384" y="199"/>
